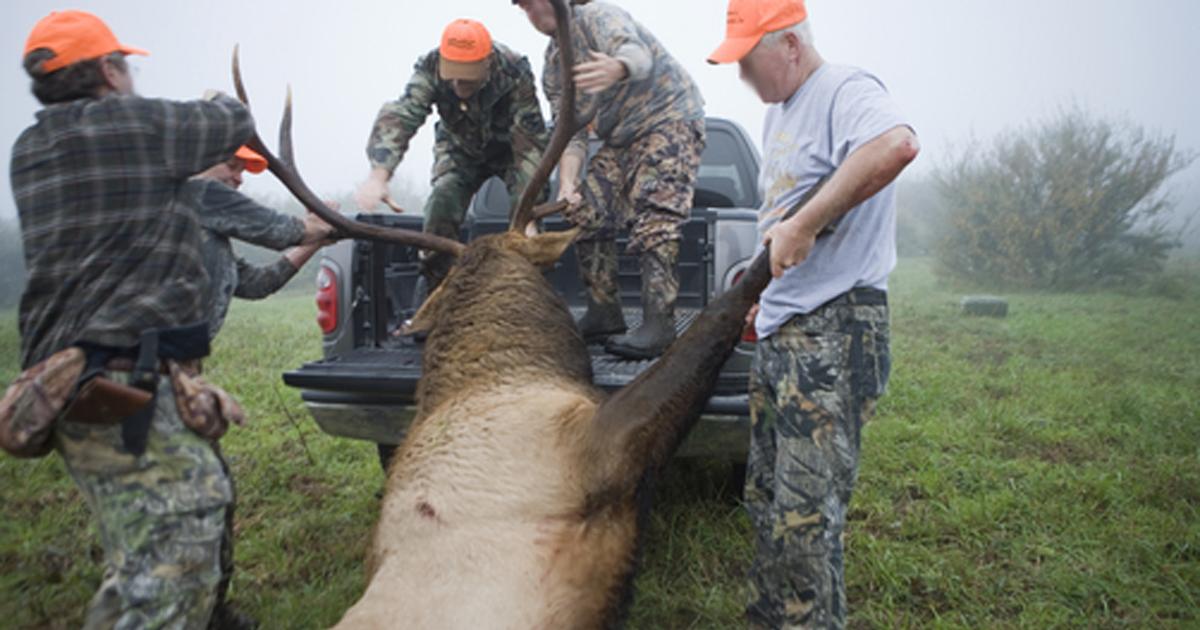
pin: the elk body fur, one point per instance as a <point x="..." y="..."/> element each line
<point x="488" y="518"/>
<point x="514" y="501"/>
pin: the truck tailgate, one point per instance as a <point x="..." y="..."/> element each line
<point x="394" y="370"/>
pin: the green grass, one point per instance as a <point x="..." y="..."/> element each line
<point x="1041" y="470"/>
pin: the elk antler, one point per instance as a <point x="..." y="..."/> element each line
<point x="565" y="129"/>
<point x="284" y="168"/>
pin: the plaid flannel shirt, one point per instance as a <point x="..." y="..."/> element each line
<point x="109" y="249"/>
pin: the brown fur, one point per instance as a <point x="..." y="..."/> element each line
<point x="489" y="488"/>
<point x="515" y="499"/>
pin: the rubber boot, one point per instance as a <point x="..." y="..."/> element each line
<point x="598" y="271"/>
<point x="660" y="289"/>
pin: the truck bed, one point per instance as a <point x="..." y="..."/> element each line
<point x="392" y="371"/>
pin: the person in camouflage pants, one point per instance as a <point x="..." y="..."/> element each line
<point x="161" y="518"/>
<point x="814" y="385"/>
<point x="113" y="260"/>
<point x="649" y="116"/>
<point x="834" y="142"/>
<point x="490" y="125"/>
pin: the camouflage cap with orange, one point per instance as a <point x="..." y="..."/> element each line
<point x="466" y="46"/>
<point x="74" y="36"/>
<point x="748" y="20"/>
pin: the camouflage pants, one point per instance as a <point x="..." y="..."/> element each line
<point x="456" y="178"/>
<point x="160" y="518"/>
<point x="646" y="187"/>
<point x="813" y="386"/>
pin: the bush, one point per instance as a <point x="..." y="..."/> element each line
<point x="1070" y="203"/>
<point x="918" y="215"/>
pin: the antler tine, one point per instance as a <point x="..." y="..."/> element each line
<point x="287" y="152"/>
<point x="238" y="86"/>
<point x="568" y="125"/>
<point x="344" y="226"/>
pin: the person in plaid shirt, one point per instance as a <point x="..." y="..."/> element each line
<point x="110" y="254"/>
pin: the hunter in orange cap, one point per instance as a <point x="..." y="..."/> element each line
<point x="74" y="36"/>
<point x="747" y="21"/>
<point x="129" y="284"/>
<point x="466" y="46"/>
<point x="490" y="124"/>
<point x="834" y="142"/>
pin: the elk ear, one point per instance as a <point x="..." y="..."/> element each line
<point x="545" y="249"/>
<point x="422" y="321"/>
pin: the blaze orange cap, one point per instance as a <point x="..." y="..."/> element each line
<point x="74" y="36"/>
<point x="254" y="162"/>
<point x="466" y="46"/>
<point x="748" y="20"/>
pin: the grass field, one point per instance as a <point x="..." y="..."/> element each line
<point x="1037" y="471"/>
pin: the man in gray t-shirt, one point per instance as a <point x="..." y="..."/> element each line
<point x="822" y="360"/>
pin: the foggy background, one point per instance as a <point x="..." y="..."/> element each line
<point x="963" y="71"/>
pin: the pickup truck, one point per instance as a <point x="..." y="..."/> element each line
<point x="364" y="386"/>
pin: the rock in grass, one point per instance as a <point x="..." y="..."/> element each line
<point x="984" y="306"/>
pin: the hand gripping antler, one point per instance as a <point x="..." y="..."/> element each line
<point x="565" y="129"/>
<point x="285" y="170"/>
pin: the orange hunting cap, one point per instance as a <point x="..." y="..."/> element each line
<point x="466" y="45"/>
<point x="254" y="162"/>
<point x="74" y="36"/>
<point x="748" y="20"/>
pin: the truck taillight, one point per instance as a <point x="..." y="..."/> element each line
<point x="749" y="335"/>
<point x="327" y="307"/>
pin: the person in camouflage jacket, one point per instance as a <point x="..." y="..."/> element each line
<point x="649" y="116"/>
<point x="490" y="125"/>
<point x="111" y="253"/>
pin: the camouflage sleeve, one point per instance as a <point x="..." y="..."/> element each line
<point x="256" y="282"/>
<point x="229" y="213"/>
<point x="614" y="31"/>
<point x="399" y="120"/>
<point x="552" y="86"/>
<point x="529" y="131"/>
<point x="199" y="134"/>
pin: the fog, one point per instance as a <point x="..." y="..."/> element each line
<point x="963" y="71"/>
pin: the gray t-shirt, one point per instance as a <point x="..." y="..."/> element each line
<point x="836" y="111"/>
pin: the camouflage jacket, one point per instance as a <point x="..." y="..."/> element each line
<point x="226" y="214"/>
<point x="504" y="113"/>
<point x="658" y="90"/>
<point x="109" y="248"/>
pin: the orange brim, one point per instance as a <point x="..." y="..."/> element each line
<point x="254" y="162"/>
<point x="467" y="71"/>
<point x="733" y="49"/>
<point x="133" y="50"/>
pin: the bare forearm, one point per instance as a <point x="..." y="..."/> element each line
<point x="864" y="173"/>
<point x="569" y="167"/>
<point x="298" y="256"/>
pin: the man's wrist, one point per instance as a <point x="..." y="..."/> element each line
<point x="800" y="224"/>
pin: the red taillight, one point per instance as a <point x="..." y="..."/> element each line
<point x="749" y="335"/>
<point x="327" y="309"/>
